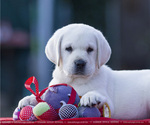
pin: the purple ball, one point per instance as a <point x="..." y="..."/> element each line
<point x="85" y="111"/>
<point x="59" y="95"/>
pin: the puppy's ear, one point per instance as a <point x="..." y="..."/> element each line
<point x="53" y="48"/>
<point x="103" y="49"/>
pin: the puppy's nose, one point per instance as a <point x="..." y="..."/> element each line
<point x="80" y="64"/>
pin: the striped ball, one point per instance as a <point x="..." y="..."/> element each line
<point x="16" y="114"/>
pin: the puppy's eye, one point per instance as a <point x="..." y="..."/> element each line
<point x="69" y="49"/>
<point x="89" y="49"/>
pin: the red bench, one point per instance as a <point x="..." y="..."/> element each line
<point x="75" y="121"/>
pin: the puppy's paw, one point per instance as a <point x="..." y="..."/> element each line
<point x="92" y="99"/>
<point x="28" y="100"/>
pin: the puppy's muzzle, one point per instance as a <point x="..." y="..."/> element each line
<point x="79" y="67"/>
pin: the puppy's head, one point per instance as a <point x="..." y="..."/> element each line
<point x="78" y="50"/>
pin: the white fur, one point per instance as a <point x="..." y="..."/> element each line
<point x="126" y="92"/>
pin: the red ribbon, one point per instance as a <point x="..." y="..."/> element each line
<point x="37" y="93"/>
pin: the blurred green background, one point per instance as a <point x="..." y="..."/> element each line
<point x="26" y="26"/>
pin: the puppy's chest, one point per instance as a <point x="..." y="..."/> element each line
<point x="82" y="89"/>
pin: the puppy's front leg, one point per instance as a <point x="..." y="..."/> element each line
<point x="95" y="98"/>
<point x="28" y="100"/>
<point x="92" y="98"/>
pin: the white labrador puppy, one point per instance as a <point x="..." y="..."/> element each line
<point x="80" y="53"/>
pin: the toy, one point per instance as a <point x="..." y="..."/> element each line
<point x="26" y="114"/>
<point x="61" y="95"/>
<point x="68" y="111"/>
<point x="43" y="111"/>
<point x="88" y="111"/>
<point x="106" y="111"/>
<point x="55" y="102"/>
<point x="54" y="97"/>
<point x="16" y="114"/>
<point x="58" y="95"/>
